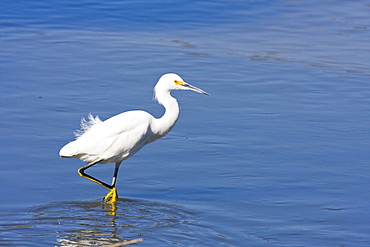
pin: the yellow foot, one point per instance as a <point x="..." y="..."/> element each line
<point x="112" y="196"/>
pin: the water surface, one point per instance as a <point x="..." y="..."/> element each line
<point x="276" y="156"/>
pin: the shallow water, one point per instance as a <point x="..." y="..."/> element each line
<point x="90" y="223"/>
<point x="276" y="156"/>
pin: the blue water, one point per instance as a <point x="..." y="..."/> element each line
<point x="278" y="155"/>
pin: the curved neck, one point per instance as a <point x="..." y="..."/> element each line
<point x="164" y="124"/>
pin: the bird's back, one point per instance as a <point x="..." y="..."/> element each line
<point x="113" y="140"/>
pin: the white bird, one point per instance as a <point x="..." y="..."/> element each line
<point x="121" y="136"/>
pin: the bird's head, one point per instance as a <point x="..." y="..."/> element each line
<point x="171" y="81"/>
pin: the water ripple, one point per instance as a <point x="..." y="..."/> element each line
<point x="94" y="223"/>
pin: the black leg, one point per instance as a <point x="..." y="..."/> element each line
<point x="116" y="168"/>
<point x="82" y="173"/>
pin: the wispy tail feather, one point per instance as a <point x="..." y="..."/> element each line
<point x="87" y="124"/>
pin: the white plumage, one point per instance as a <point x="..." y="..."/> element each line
<point x="110" y="141"/>
<point x="123" y="135"/>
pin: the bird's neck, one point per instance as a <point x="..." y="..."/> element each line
<point x="164" y="124"/>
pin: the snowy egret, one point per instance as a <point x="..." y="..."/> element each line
<point x="121" y="136"/>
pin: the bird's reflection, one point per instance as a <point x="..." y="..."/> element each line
<point x="95" y="223"/>
<point x="110" y="207"/>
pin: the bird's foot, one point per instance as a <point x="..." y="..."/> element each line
<point x="112" y="196"/>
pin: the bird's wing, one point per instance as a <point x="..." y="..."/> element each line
<point x="115" y="139"/>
